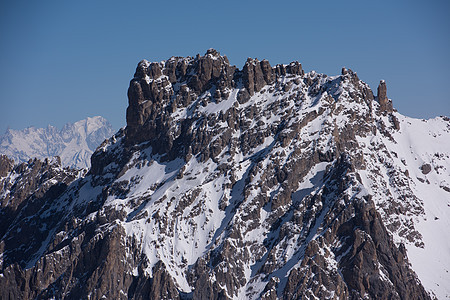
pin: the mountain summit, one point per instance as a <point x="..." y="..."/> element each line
<point x="264" y="182"/>
<point x="74" y="143"/>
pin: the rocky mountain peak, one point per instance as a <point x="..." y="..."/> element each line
<point x="159" y="89"/>
<point x="260" y="183"/>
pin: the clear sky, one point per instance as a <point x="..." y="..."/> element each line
<point x="62" y="61"/>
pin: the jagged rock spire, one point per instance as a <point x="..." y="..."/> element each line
<point x="385" y="103"/>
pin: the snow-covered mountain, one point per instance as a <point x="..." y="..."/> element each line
<point x="74" y="143"/>
<point x="260" y="183"/>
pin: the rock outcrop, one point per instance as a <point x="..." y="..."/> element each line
<point x="6" y="165"/>
<point x="159" y="89"/>
<point x="385" y="103"/>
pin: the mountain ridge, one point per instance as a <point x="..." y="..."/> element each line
<point x="74" y="142"/>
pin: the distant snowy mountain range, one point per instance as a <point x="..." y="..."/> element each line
<point x="74" y="143"/>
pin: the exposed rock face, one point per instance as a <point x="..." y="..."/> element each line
<point x="29" y="188"/>
<point x="385" y="103"/>
<point x="152" y="98"/>
<point x="260" y="183"/>
<point x="426" y="168"/>
<point x="159" y="90"/>
<point x="6" y="165"/>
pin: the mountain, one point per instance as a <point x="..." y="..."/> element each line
<point x="260" y="183"/>
<point x="74" y="143"/>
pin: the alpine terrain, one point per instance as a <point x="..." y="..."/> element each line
<point x="264" y="182"/>
<point x="74" y="143"/>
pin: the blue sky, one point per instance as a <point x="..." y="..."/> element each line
<point x="61" y="61"/>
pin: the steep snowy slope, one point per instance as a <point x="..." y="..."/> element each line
<point x="74" y="143"/>
<point x="259" y="183"/>
<point x="415" y="197"/>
